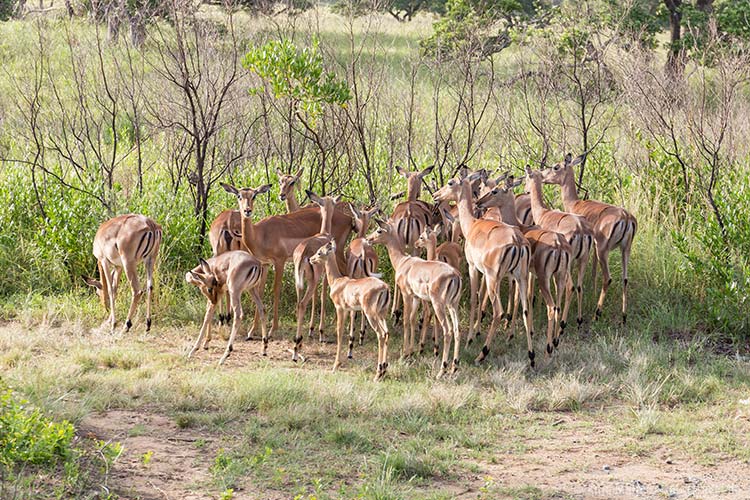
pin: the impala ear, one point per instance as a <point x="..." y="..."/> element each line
<point x="474" y="176"/>
<point x="332" y="245"/>
<point x="192" y="278"/>
<point x="279" y="173"/>
<point x="381" y="223"/>
<point x="528" y="169"/>
<point x="374" y="210"/>
<point x="230" y="189"/>
<point x="515" y="183"/>
<point x="436" y="228"/>
<point x="337" y="198"/>
<point x="484" y="199"/>
<point x="355" y="211"/>
<point x="426" y="171"/>
<point x="263" y="189"/>
<point x="205" y="266"/>
<point x="92" y="282"/>
<point x="568" y="159"/>
<point x="402" y="171"/>
<point x="576" y="161"/>
<point x="447" y="215"/>
<point x="314" y="198"/>
<point x="298" y="174"/>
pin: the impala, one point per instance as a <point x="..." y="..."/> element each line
<point x="273" y="239"/>
<point x="287" y="188"/>
<point x="225" y="234"/>
<point x="410" y="217"/>
<point x="575" y="228"/>
<point x="449" y="252"/>
<point x="361" y="258"/>
<point x="368" y="295"/>
<point x="613" y="227"/>
<point x="550" y="256"/>
<point x="120" y="244"/>
<point x="307" y="275"/>
<point x="496" y="250"/>
<point x="432" y="281"/>
<point x="230" y="272"/>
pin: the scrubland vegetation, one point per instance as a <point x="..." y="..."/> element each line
<point x="92" y="127"/>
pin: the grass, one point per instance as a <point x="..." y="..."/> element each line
<point x="306" y="431"/>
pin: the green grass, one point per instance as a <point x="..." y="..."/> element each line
<point x="303" y="431"/>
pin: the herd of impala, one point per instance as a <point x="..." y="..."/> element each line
<point x="503" y="234"/>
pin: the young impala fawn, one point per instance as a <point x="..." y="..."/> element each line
<point x="432" y="281"/>
<point x="369" y="295"/>
<point x="307" y="275"/>
<point x="231" y="272"/>
<point x="361" y="258"/>
<point x="449" y="252"/>
<point x="120" y="244"/>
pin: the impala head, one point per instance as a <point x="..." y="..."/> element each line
<point x="204" y="278"/>
<point x="362" y="218"/>
<point x="246" y="197"/>
<point x="385" y="232"/>
<point x="414" y="179"/>
<point x="534" y="176"/>
<point x="288" y="183"/>
<point x="324" y="202"/>
<point x="557" y="173"/>
<point x="98" y="288"/>
<point x="501" y="195"/>
<point x="324" y="251"/>
<point x="428" y="236"/>
<point x="452" y="189"/>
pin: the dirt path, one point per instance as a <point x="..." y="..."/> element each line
<point x="572" y="465"/>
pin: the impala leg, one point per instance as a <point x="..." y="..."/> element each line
<point x="205" y="327"/>
<point x="361" y="328"/>
<point x="511" y="293"/>
<point x="112" y="277"/>
<point x="625" y="259"/>
<point x="323" y="294"/>
<point x="131" y="271"/>
<point x="453" y="313"/>
<point x="473" y="297"/>
<point x="302" y="302"/>
<point x="579" y="285"/>
<point x="606" y="279"/>
<point x="236" y="303"/>
<point x="149" y="290"/>
<point x="497" y="314"/>
<point x="550" y="304"/>
<point x="568" y="291"/>
<point x="261" y="311"/>
<point x="261" y="287"/>
<point x="512" y="315"/>
<point x="340" y="317"/>
<point x="426" y="318"/>
<point x="405" y="328"/>
<point x="278" y="276"/>
<point x="527" y="314"/>
<point x="484" y="298"/>
<point x="447" y="337"/>
<point x="396" y="313"/>
<point x="351" y="335"/>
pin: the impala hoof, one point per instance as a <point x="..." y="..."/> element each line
<point x="532" y="355"/>
<point x="148" y="324"/>
<point x="624" y="319"/>
<point x="556" y="342"/>
<point x="128" y="325"/>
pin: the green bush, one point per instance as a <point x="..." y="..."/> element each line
<point x="28" y="437"/>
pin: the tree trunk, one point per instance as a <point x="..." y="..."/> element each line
<point x="675" y="61"/>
